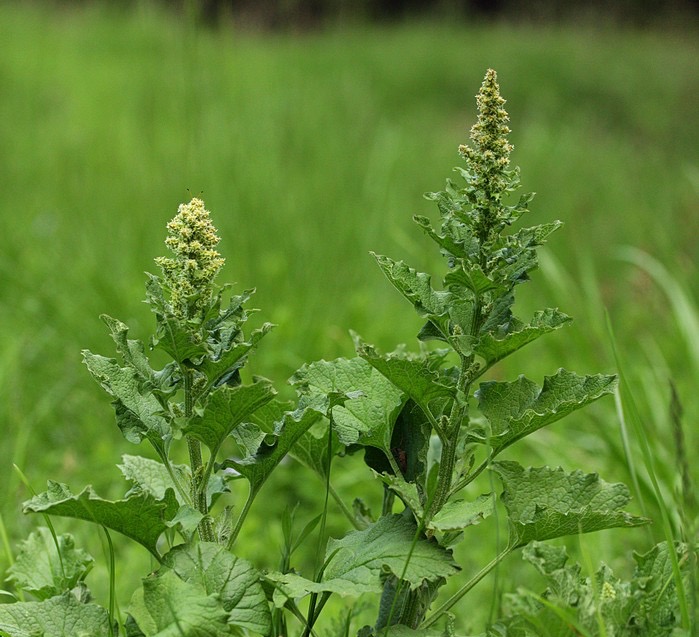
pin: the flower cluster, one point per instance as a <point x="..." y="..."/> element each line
<point x="190" y="274"/>
<point x="489" y="157"/>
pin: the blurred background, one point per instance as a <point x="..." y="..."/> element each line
<point x="312" y="129"/>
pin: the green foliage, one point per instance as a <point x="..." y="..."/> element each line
<point x="427" y="424"/>
<point x="600" y="604"/>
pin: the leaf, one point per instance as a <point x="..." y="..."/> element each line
<point x="180" y="341"/>
<point x="167" y="606"/>
<point x="233" y="356"/>
<point x="373" y="402"/>
<point x="456" y="515"/>
<point x="226" y="408"/>
<point x="151" y="476"/>
<point x="60" y="616"/>
<point x="411" y="375"/>
<point x="140" y="517"/>
<point x="544" y="503"/>
<point x="258" y="466"/>
<point x="312" y="451"/>
<point x="388" y="545"/>
<point x="139" y="413"/>
<point x="356" y="562"/>
<point x="517" y="409"/>
<point x="416" y="287"/>
<point x="40" y="570"/>
<point x="217" y="572"/>
<point x="493" y="349"/>
<point x="132" y="351"/>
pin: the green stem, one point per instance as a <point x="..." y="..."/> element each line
<point x="198" y="487"/>
<point x="344" y="508"/>
<point x="466" y="588"/>
<point x="241" y="519"/>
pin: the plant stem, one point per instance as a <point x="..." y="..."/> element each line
<point x="198" y="487"/>
<point x="466" y="588"/>
<point x="241" y="519"/>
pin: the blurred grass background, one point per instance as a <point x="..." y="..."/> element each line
<point x="312" y="148"/>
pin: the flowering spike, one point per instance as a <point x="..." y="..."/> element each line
<point x="190" y="274"/>
<point x="489" y="157"/>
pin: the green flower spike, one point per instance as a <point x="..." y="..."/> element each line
<point x="190" y="274"/>
<point x="488" y="159"/>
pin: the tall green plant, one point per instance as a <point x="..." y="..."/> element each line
<point x="430" y="425"/>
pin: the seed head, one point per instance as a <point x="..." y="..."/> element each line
<point x="490" y="155"/>
<point x="190" y="274"/>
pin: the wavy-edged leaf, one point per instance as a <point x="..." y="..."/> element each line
<point x="43" y="570"/>
<point x="167" y="606"/>
<point x="151" y="476"/>
<point x="413" y="376"/>
<point x="218" y="572"/>
<point x="493" y="349"/>
<point x="272" y="448"/>
<point x="61" y="616"/>
<point x="544" y="503"/>
<point x="140" y="516"/>
<point x="417" y="288"/>
<point x="372" y="403"/>
<point x="358" y="560"/>
<point x="517" y="409"/>
<point x="456" y="515"/>
<point x="231" y="358"/>
<point x="132" y="351"/>
<point x="226" y="408"/>
<point x="139" y="413"/>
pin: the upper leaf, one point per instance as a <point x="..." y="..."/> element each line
<point x="544" y="503"/>
<point x="139" y="413"/>
<point x="226" y="408"/>
<point x="517" y="409"/>
<point x="372" y="403"/>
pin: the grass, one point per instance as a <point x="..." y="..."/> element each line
<point x="310" y="150"/>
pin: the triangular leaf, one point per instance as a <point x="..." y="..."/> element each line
<point x="456" y="515"/>
<point x="226" y="408"/>
<point x="258" y="466"/>
<point x="368" y="415"/>
<point x="140" y="517"/>
<point x="544" y="503"/>
<point x="139" y="413"/>
<point x="493" y="349"/>
<point x="517" y="409"/>
<point x="411" y="375"/>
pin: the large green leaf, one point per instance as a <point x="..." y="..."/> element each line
<point x="139" y="413"/>
<point x="456" y="515"/>
<point x="517" y="409"/>
<point x="44" y="570"/>
<point x="61" y="616"/>
<point x="167" y="606"/>
<point x="356" y="562"/>
<point x="226" y="408"/>
<point x="372" y="402"/>
<point x="218" y="572"/>
<point x="544" y="503"/>
<point x="140" y="516"/>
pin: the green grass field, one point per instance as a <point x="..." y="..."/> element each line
<point x="311" y="150"/>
